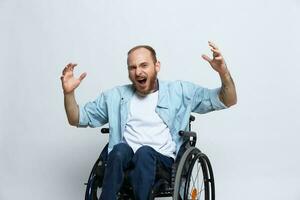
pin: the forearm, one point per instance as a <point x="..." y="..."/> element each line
<point x="228" y="92"/>
<point x="71" y="108"/>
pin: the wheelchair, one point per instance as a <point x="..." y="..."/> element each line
<point x="191" y="177"/>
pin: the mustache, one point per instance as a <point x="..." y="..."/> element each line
<point x="140" y="77"/>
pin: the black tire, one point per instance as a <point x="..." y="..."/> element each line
<point x="198" y="186"/>
<point x="94" y="185"/>
<point x="189" y="166"/>
<point x="211" y="179"/>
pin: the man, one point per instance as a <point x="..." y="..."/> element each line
<point x="145" y="117"/>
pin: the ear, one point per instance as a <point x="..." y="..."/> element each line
<point x="157" y="66"/>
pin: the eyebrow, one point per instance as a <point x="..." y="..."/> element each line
<point x="129" y="66"/>
<point x="143" y="63"/>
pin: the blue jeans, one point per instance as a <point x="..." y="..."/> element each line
<point x="142" y="165"/>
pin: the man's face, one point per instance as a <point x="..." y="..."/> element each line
<point x="142" y="71"/>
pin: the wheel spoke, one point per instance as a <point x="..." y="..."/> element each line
<point x="192" y="177"/>
<point x="200" y="191"/>
<point x="196" y="186"/>
<point x="196" y="178"/>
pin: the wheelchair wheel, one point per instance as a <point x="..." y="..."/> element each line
<point x="94" y="185"/>
<point x="194" y="177"/>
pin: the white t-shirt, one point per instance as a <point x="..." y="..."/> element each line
<point x="145" y="127"/>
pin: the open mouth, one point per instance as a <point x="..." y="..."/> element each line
<point x="142" y="81"/>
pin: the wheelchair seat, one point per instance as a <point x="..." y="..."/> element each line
<point x="191" y="176"/>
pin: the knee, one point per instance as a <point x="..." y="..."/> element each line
<point x="145" y="152"/>
<point x="121" y="151"/>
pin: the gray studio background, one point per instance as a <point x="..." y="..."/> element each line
<point x="253" y="146"/>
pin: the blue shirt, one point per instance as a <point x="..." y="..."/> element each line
<point x="176" y="101"/>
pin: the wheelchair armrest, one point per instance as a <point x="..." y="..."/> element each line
<point x="104" y="130"/>
<point x="189" y="137"/>
<point x="192" y="118"/>
<point x="188" y="134"/>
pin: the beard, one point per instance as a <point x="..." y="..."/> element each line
<point x="146" y="88"/>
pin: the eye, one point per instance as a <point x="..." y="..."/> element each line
<point x="130" y="68"/>
<point x="144" y="65"/>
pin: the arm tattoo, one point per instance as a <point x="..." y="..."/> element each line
<point x="227" y="90"/>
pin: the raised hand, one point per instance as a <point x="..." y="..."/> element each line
<point x="217" y="62"/>
<point x="69" y="82"/>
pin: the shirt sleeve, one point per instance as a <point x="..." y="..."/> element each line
<point x="93" y="114"/>
<point x="205" y="100"/>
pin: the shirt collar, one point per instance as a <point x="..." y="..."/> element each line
<point x="163" y="95"/>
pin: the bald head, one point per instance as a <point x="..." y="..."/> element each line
<point x="147" y="47"/>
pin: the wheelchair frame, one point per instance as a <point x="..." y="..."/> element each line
<point x="177" y="185"/>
